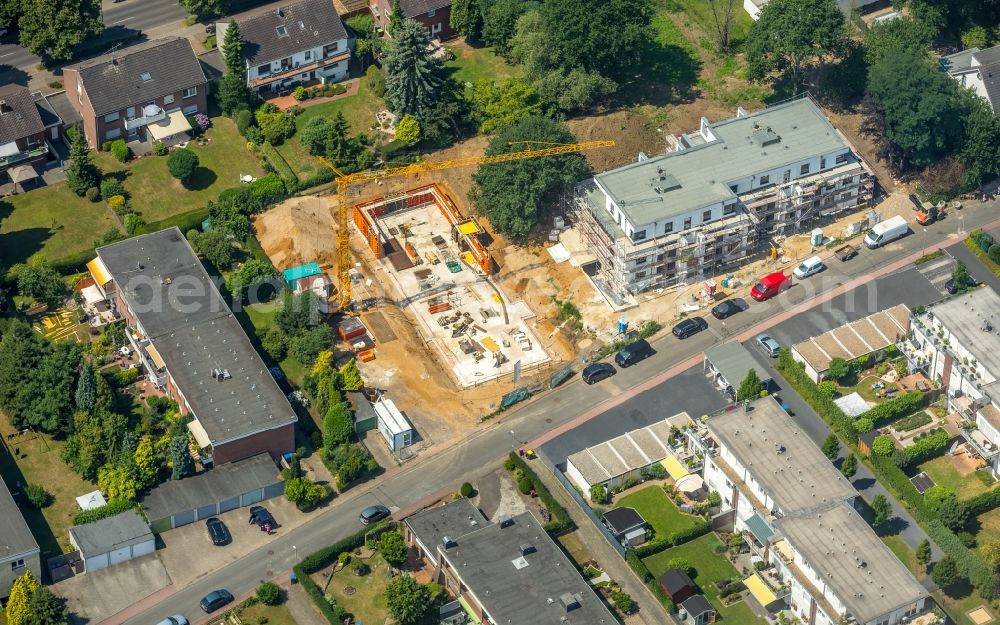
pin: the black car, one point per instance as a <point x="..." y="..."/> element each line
<point x="218" y="532"/>
<point x="596" y="372"/>
<point x="373" y="513"/>
<point x="215" y="600"/>
<point x="690" y="326"/>
<point x="728" y="308"/>
<point x="260" y="516"/>
<point x="970" y="283"/>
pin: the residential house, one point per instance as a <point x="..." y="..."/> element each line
<point x="28" y="124"/>
<point x="141" y="93"/>
<point x="506" y="572"/>
<point x="823" y="562"/>
<point x="295" y="44"/>
<point x="310" y="277"/>
<point x="978" y="70"/>
<point x="719" y="195"/>
<point x="18" y="550"/>
<point x="435" y="15"/>
<point x="193" y="348"/>
<point x="956" y="342"/>
<point x="112" y="540"/>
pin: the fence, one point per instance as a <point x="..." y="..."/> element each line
<point x="578" y="500"/>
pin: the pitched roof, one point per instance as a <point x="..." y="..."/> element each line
<point x="733" y="361"/>
<point x="278" y="33"/>
<point x="140" y="74"/>
<point x="675" y="580"/>
<point x="856" y="338"/>
<point x="116" y="532"/>
<point x="697" y="605"/>
<point x="630" y="451"/>
<point x="15" y="537"/>
<point x="413" y="8"/>
<point x="19" y="116"/>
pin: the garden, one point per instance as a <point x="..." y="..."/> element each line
<point x="660" y="512"/>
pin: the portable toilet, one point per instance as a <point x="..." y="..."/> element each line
<point x="816" y="237"/>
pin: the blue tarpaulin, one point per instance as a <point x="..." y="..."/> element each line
<point x="302" y="271"/>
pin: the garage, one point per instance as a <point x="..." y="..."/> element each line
<point x="113" y="540"/>
<point x="217" y="490"/>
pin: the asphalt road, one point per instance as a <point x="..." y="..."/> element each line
<point x="479" y="453"/>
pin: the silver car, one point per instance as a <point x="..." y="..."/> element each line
<point x="769" y="345"/>
<point x="176" y="619"/>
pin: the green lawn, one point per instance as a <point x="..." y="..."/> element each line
<point x="904" y="553"/>
<point x="709" y="568"/>
<point x="701" y="12"/>
<point x="274" y="615"/>
<point x="661" y="513"/>
<point x="472" y="65"/>
<point x="944" y="473"/>
<point x="863" y="388"/>
<point x="367" y="601"/>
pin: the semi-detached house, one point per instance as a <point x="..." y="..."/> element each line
<point x="298" y="43"/>
<point x="435" y="15"/>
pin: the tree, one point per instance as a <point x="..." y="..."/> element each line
<point x="297" y="312"/>
<point x="53" y="28"/>
<point x="881" y="511"/>
<point x="119" y="482"/>
<point x="750" y="387"/>
<point x="408" y="601"/>
<point x="46" y="608"/>
<point x="147" y="462"/>
<point x="888" y="36"/>
<point x="205" y="8"/>
<point x="182" y="163"/>
<point x="574" y="91"/>
<point x="924" y="552"/>
<point x="935" y="495"/>
<point x="94" y="441"/>
<point x="232" y="49"/>
<point x="18" y="604"/>
<point x="269" y="593"/>
<point x="37" y="495"/>
<point x="86" y="393"/>
<point x="307" y="345"/>
<point x="849" y="467"/>
<point x="324" y="136"/>
<point x="960" y="276"/>
<point x="681" y="563"/>
<point x="517" y="194"/>
<point x="981" y="148"/>
<point x="837" y="369"/>
<point x="831" y="446"/>
<point x="81" y="173"/>
<point x="253" y="277"/>
<point x="623" y="601"/>
<point x="276" y="125"/>
<point x="465" y="18"/>
<point x="413" y="78"/>
<point x="337" y="425"/>
<point x="791" y="34"/>
<point x="990" y="552"/>
<point x="722" y="19"/>
<point x="500" y="23"/>
<point x="39" y="281"/>
<point x="393" y="548"/>
<point x="216" y="247"/>
<point x="180" y="457"/>
<point x="883" y="445"/>
<point x="953" y="513"/>
<point x="598" y="494"/>
<point x="350" y="376"/>
<point x="396" y="19"/>
<point x="496" y="106"/>
<point x="945" y="572"/>
<point x="408" y="130"/>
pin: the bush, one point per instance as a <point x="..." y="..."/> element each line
<point x="117" y="203"/>
<point x="994" y="254"/>
<point x="182" y="164"/>
<point x="111" y="187"/>
<point x="269" y="593"/>
<point x="132" y="223"/>
<point x="244" y="120"/>
<point x="268" y="189"/>
<point x="300" y="93"/>
<point x="93" y="194"/>
<point x="466" y="490"/>
<point x="37" y="495"/>
<point x="375" y="80"/>
<point x="982" y="240"/>
<point x="883" y="445"/>
<point x="159" y="149"/>
<point x="120" y="150"/>
<point x="113" y="507"/>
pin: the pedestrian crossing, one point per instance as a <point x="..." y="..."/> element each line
<point x="938" y="271"/>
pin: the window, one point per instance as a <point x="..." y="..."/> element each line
<point x="191" y="109"/>
<point x="114" y="133"/>
<point x="841" y="158"/>
<point x="788" y="175"/>
<point x="263" y="70"/>
<point x="822" y="162"/>
<point x="764" y="180"/>
<point x="309" y="55"/>
<point x="638" y="235"/>
<point x="641" y="274"/>
<point x="17" y="564"/>
<point x="145" y="76"/>
<point x="111" y="117"/>
<point x="804" y="169"/>
<point x="130" y="113"/>
<point x="706" y="217"/>
<point x="728" y="210"/>
<point x="668" y="227"/>
<point x="687" y="223"/>
<point x="431" y="13"/>
<point x="282" y="31"/>
<point x="168" y="99"/>
<point x="190" y="92"/>
<point x="641" y="261"/>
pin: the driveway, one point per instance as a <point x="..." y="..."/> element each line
<point x="93" y="597"/>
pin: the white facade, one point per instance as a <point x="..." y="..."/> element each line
<point x="392" y="424"/>
<point x="310" y="60"/>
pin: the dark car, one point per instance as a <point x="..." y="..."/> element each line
<point x="970" y="283"/>
<point x="687" y="327"/>
<point x="633" y="353"/>
<point x="215" y="600"/>
<point x="260" y="516"/>
<point x="218" y="532"/>
<point x="596" y="372"/>
<point x="728" y="308"/>
<point x="373" y="513"/>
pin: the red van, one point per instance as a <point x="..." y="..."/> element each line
<point x="770" y="285"/>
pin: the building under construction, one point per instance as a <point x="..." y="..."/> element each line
<point x="720" y="195"/>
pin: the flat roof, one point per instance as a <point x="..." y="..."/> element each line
<point x="619" y="520"/>
<point x="700" y="176"/>
<point x="787" y="465"/>
<point x="967" y="317"/>
<point x="630" y="451"/>
<point x="15" y="537"/>
<point x="114" y="532"/>
<point x="390" y="415"/>
<point x="734" y="361"/>
<point x="212" y="486"/>
<point x="453" y="519"/>
<point x="855" y="339"/>
<point x="539" y="586"/>
<point x="179" y="307"/>
<point x="852" y="561"/>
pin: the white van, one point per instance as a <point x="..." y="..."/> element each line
<point x="809" y="267"/>
<point x="886" y="232"/>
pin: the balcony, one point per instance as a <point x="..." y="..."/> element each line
<point x="138" y="122"/>
<point x="24" y="156"/>
<point x="288" y="72"/>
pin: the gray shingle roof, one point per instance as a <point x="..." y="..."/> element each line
<point x="307" y="24"/>
<point x="15" y="537"/>
<point x="413" y="8"/>
<point x="116" y="532"/>
<point x="115" y="81"/>
<point x="19" y="116"/>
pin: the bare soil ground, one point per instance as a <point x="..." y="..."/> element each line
<point x="299" y="230"/>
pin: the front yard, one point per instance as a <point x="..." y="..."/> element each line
<point x="709" y="568"/>
<point x="362" y="596"/>
<point x="268" y="615"/>
<point x="660" y="512"/>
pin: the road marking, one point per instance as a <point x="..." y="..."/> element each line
<point x="122" y="21"/>
<point x="3" y="56"/>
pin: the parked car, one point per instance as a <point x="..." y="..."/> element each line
<point x="770" y="285"/>
<point x="215" y="600"/>
<point x="952" y="288"/>
<point x="846" y="252"/>
<point x="886" y="232"/>
<point x="260" y="516"/>
<point x="768" y="345"/>
<point x="689" y="326"/>
<point x="728" y="308"/>
<point x="374" y="513"/>
<point x="633" y="353"/>
<point x="809" y="267"/>
<point x="597" y="371"/>
<point x="176" y="619"/>
<point x="218" y="532"/>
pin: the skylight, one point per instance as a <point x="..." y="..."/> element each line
<point x="282" y="31"/>
<point x="145" y="76"/>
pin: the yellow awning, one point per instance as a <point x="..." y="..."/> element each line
<point x="155" y="357"/>
<point x="759" y="590"/>
<point x="199" y="434"/>
<point x="674" y="467"/>
<point x="469" y="227"/>
<point x="174" y="124"/>
<point x="100" y="273"/>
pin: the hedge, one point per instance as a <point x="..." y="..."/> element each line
<point x="983" y="502"/>
<point x="820" y="402"/>
<point x="896" y="408"/>
<point x="113" y="507"/>
<point x="646" y="577"/>
<point x="926" y="448"/>
<point x="662" y="544"/>
<point x="279" y="163"/>
<point x="561" y="521"/>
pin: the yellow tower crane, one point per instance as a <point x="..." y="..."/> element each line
<point x="344" y="181"/>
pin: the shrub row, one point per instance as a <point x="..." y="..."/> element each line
<point x="925" y="448"/>
<point x="662" y="544"/>
<point x="983" y="502"/>
<point x="895" y="408"/>
<point x="821" y="402"/>
<point x="561" y="521"/>
<point x="113" y="507"/>
<point x="982" y="245"/>
<point x="642" y="571"/>
<point x="279" y="164"/>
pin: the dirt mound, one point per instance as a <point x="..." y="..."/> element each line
<point x="299" y="230"/>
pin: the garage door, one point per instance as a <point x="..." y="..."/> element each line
<point x="274" y="490"/>
<point x="97" y="562"/>
<point x="229" y="504"/>
<point x="206" y="511"/>
<point x="184" y="518"/>
<point x="252" y="497"/>
<point x="118" y="556"/>
<point x="143" y="548"/>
